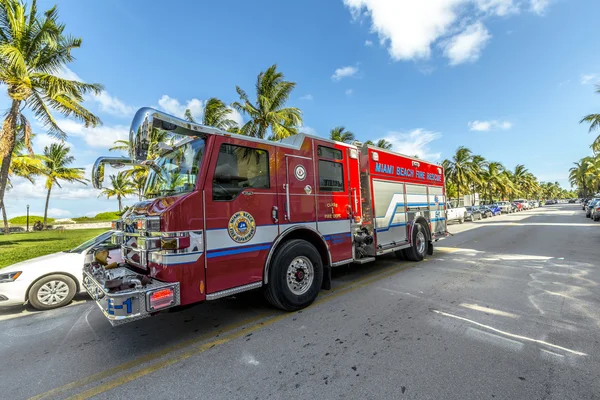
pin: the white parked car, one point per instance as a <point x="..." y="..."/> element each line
<point x="52" y="280"/>
<point x="456" y="213"/>
<point x="505" y="207"/>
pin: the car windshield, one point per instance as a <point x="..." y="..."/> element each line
<point x="89" y="243"/>
<point x="176" y="170"/>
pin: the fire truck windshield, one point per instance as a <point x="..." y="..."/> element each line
<point x="175" y="171"/>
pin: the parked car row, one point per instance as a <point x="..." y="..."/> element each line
<point x="592" y="208"/>
<point x="476" y="213"/>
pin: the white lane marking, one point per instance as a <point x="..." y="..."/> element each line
<point x="495" y="339"/>
<point x="579" y="353"/>
<point x="541" y="224"/>
<point x="489" y="310"/>
<point x="552" y="353"/>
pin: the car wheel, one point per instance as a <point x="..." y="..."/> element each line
<point x="461" y="220"/>
<point x="52" y="291"/>
<point x="295" y="276"/>
<point x="420" y="243"/>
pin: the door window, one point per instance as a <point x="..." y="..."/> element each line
<point x="331" y="176"/>
<point x="239" y="168"/>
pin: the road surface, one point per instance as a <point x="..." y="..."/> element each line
<point x="508" y="308"/>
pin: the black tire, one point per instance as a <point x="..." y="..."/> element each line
<point x="277" y="291"/>
<point x="65" y="291"/>
<point x="412" y="253"/>
<point x="461" y="220"/>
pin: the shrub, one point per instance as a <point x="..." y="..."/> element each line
<point x="107" y="216"/>
<point x="22" y="220"/>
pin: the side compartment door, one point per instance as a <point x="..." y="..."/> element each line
<point x="438" y="213"/>
<point x="417" y="200"/>
<point x="390" y="210"/>
<point x="240" y="197"/>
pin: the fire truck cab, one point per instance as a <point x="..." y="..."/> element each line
<point x="226" y="213"/>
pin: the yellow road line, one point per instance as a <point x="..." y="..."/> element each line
<point x="343" y="289"/>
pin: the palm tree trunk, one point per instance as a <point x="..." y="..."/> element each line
<point x="120" y="207"/>
<point x="7" y="145"/>
<point x="46" y="208"/>
<point x="4" y="218"/>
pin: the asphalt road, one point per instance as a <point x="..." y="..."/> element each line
<point x="506" y="309"/>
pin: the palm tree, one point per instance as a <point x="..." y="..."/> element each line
<point x="216" y="113"/>
<point x="478" y="164"/>
<point x="121" y="188"/>
<point x="269" y="111"/>
<point x="594" y="121"/>
<point x="340" y="134"/>
<point x="120" y="145"/>
<point x="138" y="176"/>
<point x="33" y="49"/>
<point x="56" y="167"/>
<point x="156" y="136"/>
<point x="578" y="175"/>
<point x="24" y="166"/>
<point x="494" y="180"/>
<point x="381" y="143"/>
<point x="459" y="169"/>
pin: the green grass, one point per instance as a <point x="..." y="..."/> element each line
<point x="102" y="217"/>
<point x="22" y="220"/>
<point x="23" y="246"/>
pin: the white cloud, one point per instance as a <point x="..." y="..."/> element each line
<point x="42" y="140"/>
<point x="349" y="92"/>
<point x="65" y="73"/>
<point x="100" y="137"/>
<point x="175" y="107"/>
<point x="414" y="143"/>
<point x="112" y="105"/>
<point x="368" y="43"/>
<point x="467" y="45"/>
<point x="485" y="126"/>
<point x="410" y="28"/>
<point x="539" y="6"/>
<point x="108" y="104"/>
<point x="59" y="213"/>
<point x="344" y="72"/>
<point x="589" y="78"/>
<point x="307" y="97"/>
<point x="497" y="7"/>
<point x="308" y="130"/>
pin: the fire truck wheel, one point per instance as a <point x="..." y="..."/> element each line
<point x="295" y="276"/>
<point x="52" y="291"/>
<point x="418" y="250"/>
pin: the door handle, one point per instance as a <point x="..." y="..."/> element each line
<point x="247" y="193"/>
<point x="275" y="214"/>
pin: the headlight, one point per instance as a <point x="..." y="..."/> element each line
<point x="9" y="277"/>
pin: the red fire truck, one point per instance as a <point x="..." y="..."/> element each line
<point x="227" y="213"/>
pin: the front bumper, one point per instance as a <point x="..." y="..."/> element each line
<point x="126" y="305"/>
<point x="13" y="293"/>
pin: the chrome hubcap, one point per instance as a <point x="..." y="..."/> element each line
<point x="300" y="275"/>
<point x="420" y="244"/>
<point x="53" y="292"/>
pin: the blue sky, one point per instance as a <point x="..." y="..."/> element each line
<point x="510" y="79"/>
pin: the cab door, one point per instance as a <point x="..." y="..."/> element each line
<point x="335" y="198"/>
<point x="240" y="201"/>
